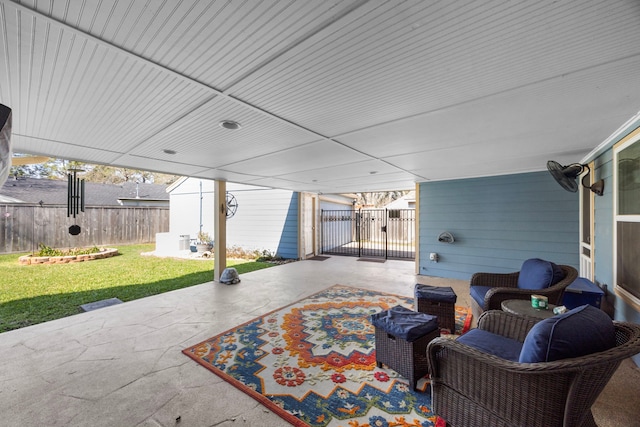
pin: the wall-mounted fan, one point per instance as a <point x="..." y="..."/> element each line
<point x="232" y="205"/>
<point x="567" y="176"/>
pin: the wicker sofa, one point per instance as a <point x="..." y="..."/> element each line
<point x="498" y="287"/>
<point x="473" y="388"/>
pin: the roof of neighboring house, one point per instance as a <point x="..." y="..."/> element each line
<point x="54" y="192"/>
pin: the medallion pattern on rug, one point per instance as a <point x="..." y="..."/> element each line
<point x="313" y="362"/>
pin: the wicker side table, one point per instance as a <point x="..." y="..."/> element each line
<point x="402" y="336"/>
<point x="523" y="307"/>
<point x="437" y="301"/>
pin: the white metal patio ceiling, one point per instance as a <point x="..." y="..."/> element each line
<point x="332" y="96"/>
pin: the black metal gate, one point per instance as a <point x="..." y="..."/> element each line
<point x="372" y="233"/>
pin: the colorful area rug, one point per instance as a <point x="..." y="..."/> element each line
<point x="313" y="362"/>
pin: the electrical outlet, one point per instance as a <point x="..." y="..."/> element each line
<point x="433" y="257"/>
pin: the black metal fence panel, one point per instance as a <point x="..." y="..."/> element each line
<point x="373" y="233"/>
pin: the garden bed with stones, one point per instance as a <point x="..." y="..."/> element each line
<point x="30" y="259"/>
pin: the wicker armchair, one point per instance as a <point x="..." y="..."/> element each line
<point x="504" y="286"/>
<point x="472" y="388"/>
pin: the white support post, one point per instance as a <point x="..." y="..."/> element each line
<point x="220" y="225"/>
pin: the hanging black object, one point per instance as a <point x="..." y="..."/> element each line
<point x="75" y="193"/>
<point x="5" y="142"/>
<point x="567" y="176"/>
<point x="75" y="198"/>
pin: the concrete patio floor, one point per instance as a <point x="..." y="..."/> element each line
<point x="122" y="365"/>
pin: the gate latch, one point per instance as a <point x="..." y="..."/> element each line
<point x="384" y="229"/>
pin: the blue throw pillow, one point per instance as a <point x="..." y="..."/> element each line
<point x="537" y="273"/>
<point x="578" y="332"/>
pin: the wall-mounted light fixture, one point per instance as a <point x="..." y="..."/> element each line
<point x="446" y="237"/>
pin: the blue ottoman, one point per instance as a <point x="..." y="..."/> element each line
<point x="438" y="301"/>
<point x="402" y="336"/>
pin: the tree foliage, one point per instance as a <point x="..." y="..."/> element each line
<point x="378" y="200"/>
<point x="58" y="169"/>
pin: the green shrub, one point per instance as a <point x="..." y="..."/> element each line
<point x="266" y="256"/>
<point x="49" y="251"/>
<point x="204" y="237"/>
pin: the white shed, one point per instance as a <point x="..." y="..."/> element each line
<point x="264" y="218"/>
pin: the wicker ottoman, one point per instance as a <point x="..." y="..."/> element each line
<point x="402" y="336"/>
<point x="437" y="301"/>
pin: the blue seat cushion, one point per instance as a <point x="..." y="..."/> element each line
<point x="435" y="293"/>
<point x="539" y="274"/>
<point x="404" y="323"/>
<point x="488" y="342"/>
<point x="578" y="332"/>
<point x="478" y="293"/>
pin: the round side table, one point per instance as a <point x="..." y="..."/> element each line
<point x="523" y="307"/>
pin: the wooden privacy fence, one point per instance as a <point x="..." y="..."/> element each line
<point x="24" y="226"/>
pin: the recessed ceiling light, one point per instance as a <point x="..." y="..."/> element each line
<point x="167" y="151"/>
<point x="230" y="124"/>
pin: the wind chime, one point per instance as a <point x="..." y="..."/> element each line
<point x="75" y="198"/>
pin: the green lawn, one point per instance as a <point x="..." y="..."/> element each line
<point x="31" y="294"/>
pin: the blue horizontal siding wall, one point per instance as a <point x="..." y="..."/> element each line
<point x="497" y="222"/>
<point x="288" y="245"/>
